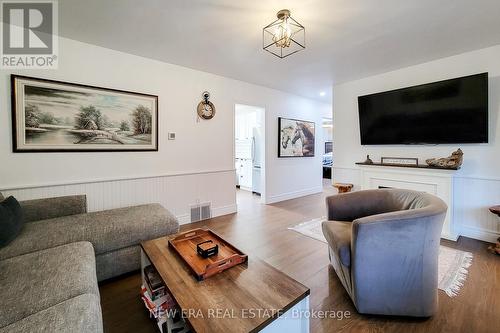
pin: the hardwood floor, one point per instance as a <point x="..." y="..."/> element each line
<point x="261" y="230"/>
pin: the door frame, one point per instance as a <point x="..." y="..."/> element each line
<point x="263" y="151"/>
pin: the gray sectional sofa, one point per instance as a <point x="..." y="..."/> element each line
<point x="49" y="273"/>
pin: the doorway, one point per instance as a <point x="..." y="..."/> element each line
<point x="327" y="125"/>
<point x="249" y="149"/>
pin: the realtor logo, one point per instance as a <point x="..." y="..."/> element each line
<point x="29" y="34"/>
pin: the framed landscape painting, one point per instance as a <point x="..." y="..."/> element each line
<point x="296" y="138"/>
<point x="54" y="116"/>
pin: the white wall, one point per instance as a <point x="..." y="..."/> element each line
<point x="197" y="166"/>
<point x="292" y="177"/>
<point x="477" y="184"/>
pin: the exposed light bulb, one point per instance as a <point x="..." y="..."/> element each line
<point x="283" y="33"/>
<point x="322" y="93"/>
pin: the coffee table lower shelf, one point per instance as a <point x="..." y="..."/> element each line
<point x="294" y="320"/>
<point x="168" y="320"/>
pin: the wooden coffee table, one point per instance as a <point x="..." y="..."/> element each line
<point x="249" y="297"/>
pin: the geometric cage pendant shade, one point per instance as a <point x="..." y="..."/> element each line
<point x="285" y="36"/>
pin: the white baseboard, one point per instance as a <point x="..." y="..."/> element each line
<point x="293" y="195"/>
<point x="481" y="234"/>
<point x="224" y="210"/>
<point x="183" y="219"/>
<point x="452" y="237"/>
<point x="217" y="211"/>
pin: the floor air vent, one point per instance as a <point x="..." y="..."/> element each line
<point x="201" y="212"/>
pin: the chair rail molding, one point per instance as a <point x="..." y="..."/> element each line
<point x="103" y="180"/>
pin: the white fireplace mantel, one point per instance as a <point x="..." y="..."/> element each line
<point x="434" y="181"/>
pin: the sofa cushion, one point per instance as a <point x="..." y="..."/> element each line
<point x="338" y="236"/>
<point x="79" y="314"/>
<point x="11" y="220"/>
<point x="115" y="263"/>
<point x="50" y="208"/>
<point x="107" y="230"/>
<point x="36" y="281"/>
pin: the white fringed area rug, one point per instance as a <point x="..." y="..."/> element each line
<point x="452" y="266"/>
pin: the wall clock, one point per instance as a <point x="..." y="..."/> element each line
<point x="206" y="109"/>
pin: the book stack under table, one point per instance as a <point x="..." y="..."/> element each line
<point x="159" y="302"/>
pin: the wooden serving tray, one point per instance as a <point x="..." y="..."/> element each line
<point x="185" y="246"/>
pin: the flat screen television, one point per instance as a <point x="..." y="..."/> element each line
<point x="444" y="112"/>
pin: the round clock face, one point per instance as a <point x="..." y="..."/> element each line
<point x="206" y="110"/>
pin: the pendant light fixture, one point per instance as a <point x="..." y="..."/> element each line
<point x="285" y="36"/>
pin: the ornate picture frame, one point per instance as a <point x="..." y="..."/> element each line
<point x="56" y="116"/>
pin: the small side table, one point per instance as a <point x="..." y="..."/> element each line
<point x="343" y="188"/>
<point x="496" y="248"/>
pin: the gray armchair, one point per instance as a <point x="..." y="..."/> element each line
<point x="384" y="246"/>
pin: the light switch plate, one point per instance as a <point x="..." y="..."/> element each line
<point x="171" y="135"/>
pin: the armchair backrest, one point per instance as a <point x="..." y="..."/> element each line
<point x="354" y="205"/>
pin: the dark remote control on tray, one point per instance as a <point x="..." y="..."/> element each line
<point x="207" y="249"/>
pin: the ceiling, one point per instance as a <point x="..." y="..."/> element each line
<point x="345" y="39"/>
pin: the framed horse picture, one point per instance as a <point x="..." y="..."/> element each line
<point x="296" y="138"/>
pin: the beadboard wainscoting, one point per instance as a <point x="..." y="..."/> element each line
<point x="472" y="197"/>
<point x="176" y="192"/>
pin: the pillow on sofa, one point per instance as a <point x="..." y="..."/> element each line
<point x="1" y="197"/>
<point x="11" y="220"/>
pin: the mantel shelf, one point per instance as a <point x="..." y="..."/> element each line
<point x="406" y="166"/>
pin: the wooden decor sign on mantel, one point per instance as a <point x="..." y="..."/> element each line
<point x="399" y="161"/>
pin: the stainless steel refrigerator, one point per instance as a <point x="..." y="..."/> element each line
<point x="257" y="146"/>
